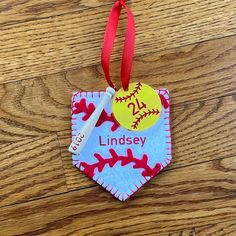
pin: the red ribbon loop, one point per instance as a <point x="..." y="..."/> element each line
<point x="109" y="38"/>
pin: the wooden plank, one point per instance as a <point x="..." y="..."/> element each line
<point x="12" y="12"/>
<point x="201" y="132"/>
<point x="195" y="72"/>
<point x="32" y="108"/>
<point x="64" y="41"/>
<point x="216" y="228"/>
<point x="185" y="232"/>
<point x="187" y="197"/>
<point x="29" y="169"/>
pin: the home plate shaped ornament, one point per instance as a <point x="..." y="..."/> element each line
<point x="121" y="139"/>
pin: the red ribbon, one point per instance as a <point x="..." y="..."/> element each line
<point x="128" y="51"/>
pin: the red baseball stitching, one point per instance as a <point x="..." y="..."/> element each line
<point x="82" y="107"/>
<point x="125" y="160"/>
<point x="165" y="99"/>
<point x="132" y="94"/>
<point x="143" y="115"/>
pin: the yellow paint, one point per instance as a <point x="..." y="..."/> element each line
<point x="137" y="109"/>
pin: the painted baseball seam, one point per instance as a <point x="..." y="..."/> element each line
<point x="131" y="95"/>
<point x="121" y="196"/>
<point x="73" y="116"/>
<point x="144" y="115"/>
<point x="82" y="107"/>
<point x="125" y="160"/>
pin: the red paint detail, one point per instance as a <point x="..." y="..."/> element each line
<point x="165" y="103"/>
<point x="143" y="115"/>
<point x="163" y="92"/>
<point x="125" y="160"/>
<point x="131" y="95"/>
<point x="82" y="107"/>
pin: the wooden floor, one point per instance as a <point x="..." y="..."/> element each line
<point x="50" y="48"/>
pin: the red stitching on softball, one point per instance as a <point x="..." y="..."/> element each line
<point x="144" y="115"/>
<point x="132" y="94"/>
<point x="125" y="160"/>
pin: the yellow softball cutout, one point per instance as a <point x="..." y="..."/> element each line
<point x="137" y="109"/>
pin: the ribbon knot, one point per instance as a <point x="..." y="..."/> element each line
<point x="122" y="2"/>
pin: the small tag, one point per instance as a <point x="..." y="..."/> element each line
<point x="137" y="109"/>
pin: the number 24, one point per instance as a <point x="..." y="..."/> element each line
<point x="137" y="107"/>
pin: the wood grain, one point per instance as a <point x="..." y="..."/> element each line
<point x="30" y="168"/>
<point x="73" y="39"/>
<point x="75" y="179"/>
<point x="168" y="203"/>
<point x="195" y="128"/>
<point x="13" y="12"/>
<point x="193" y="73"/>
<point x="185" y="232"/>
<point x="215" y="229"/>
<point x="49" y="49"/>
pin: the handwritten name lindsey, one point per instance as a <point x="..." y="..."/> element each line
<point x="108" y="141"/>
